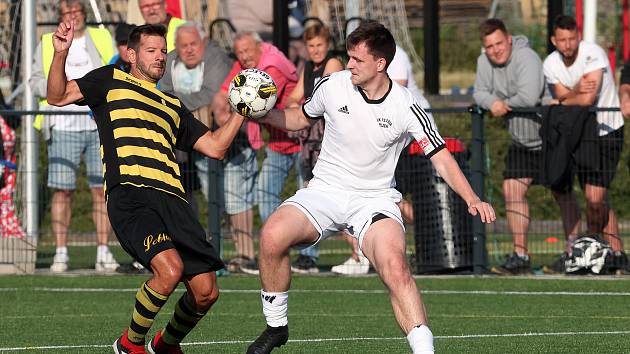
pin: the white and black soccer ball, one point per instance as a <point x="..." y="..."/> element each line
<point x="589" y="253"/>
<point x="252" y="93"/>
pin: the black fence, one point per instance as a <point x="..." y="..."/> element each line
<point x="442" y="236"/>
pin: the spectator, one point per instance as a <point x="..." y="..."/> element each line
<point x="579" y="74"/>
<point x="509" y="75"/>
<point x="320" y="63"/>
<point x="72" y="136"/>
<point x="121" y="60"/>
<point x="252" y="16"/>
<point x="9" y="222"/>
<point x="195" y="71"/>
<point x="624" y="91"/>
<point x="241" y="170"/>
<point x="154" y="13"/>
<point x="400" y="71"/>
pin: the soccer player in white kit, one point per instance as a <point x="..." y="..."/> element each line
<point x="368" y="120"/>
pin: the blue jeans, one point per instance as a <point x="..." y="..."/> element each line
<point x="312" y="251"/>
<point x="273" y="175"/>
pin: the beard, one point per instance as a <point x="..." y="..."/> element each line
<point x="145" y="70"/>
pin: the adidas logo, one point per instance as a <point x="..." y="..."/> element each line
<point x="269" y="298"/>
<point x="343" y="109"/>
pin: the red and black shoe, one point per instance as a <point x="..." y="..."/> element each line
<point x="157" y="346"/>
<point x="123" y="345"/>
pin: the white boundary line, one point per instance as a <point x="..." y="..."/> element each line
<point x="320" y="340"/>
<point x="342" y="291"/>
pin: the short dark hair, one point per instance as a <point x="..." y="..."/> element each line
<point x="564" y="22"/>
<point x="377" y="38"/>
<point x="147" y="30"/>
<point x="122" y="33"/>
<point x="491" y="25"/>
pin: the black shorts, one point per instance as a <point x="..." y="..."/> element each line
<point x="523" y="163"/>
<point x="610" y="146"/>
<point x="147" y="221"/>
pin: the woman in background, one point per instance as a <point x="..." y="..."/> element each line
<point x="319" y="64"/>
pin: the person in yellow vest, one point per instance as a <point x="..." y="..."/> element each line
<point x="154" y="13"/>
<point x="70" y="137"/>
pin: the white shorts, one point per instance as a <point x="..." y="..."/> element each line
<point x="331" y="209"/>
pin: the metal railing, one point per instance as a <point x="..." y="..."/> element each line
<point x="478" y="175"/>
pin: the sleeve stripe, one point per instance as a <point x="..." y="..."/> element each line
<point x="321" y="81"/>
<point x="308" y="116"/>
<point x="308" y="99"/>
<point x="429" y="129"/>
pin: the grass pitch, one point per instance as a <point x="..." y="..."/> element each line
<point x="84" y="314"/>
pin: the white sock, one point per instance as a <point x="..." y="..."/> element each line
<point x="421" y="340"/>
<point x="275" y="307"/>
<point x="62" y="250"/>
<point x="101" y="251"/>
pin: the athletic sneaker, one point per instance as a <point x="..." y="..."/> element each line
<point x="619" y="263"/>
<point x="157" y="346"/>
<point x="60" y="263"/>
<point x="122" y="345"/>
<point x="271" y="337"/>
<point x="106" y="263"/>
<point x="305" y="265"/>
<point x="234" y="264"/>
<point x="352" y="267"/>
<point x="132" y="268"/>
<point x="559" y="266"/>
<point x="514" y="264"/>
<point x="250" y="266"/>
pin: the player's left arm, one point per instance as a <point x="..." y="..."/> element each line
<point x="447" y="168"/>
<point x="215" y="144"/>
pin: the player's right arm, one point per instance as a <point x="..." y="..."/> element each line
<point x="291" y="119"/>
<point x="60" y="91"/>
<point x="301" y="117"/>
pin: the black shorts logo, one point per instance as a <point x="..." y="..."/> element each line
<point x="154" y="240"/>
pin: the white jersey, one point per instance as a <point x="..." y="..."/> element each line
<point x="363" y="138"/>
<point x="590" y="57"/>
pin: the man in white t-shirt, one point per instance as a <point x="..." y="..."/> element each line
<point x="368" y="121"/>
<point x="578" y="74"/>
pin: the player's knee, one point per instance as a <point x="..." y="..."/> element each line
<point x="167" y="277"/>
<point x="206" y="297"/>
<point x="396" y="270"/>
<point x="270" y="239"/>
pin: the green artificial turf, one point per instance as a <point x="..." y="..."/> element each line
<point x="84" y="314"/>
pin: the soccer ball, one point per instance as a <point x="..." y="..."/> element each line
<point x="252" y="93"/>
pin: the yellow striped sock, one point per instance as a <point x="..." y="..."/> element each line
<point x="148" y="304"/>
<point x="183" y="321"/>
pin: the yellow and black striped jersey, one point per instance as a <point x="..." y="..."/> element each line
<point x="139" y="127"/>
